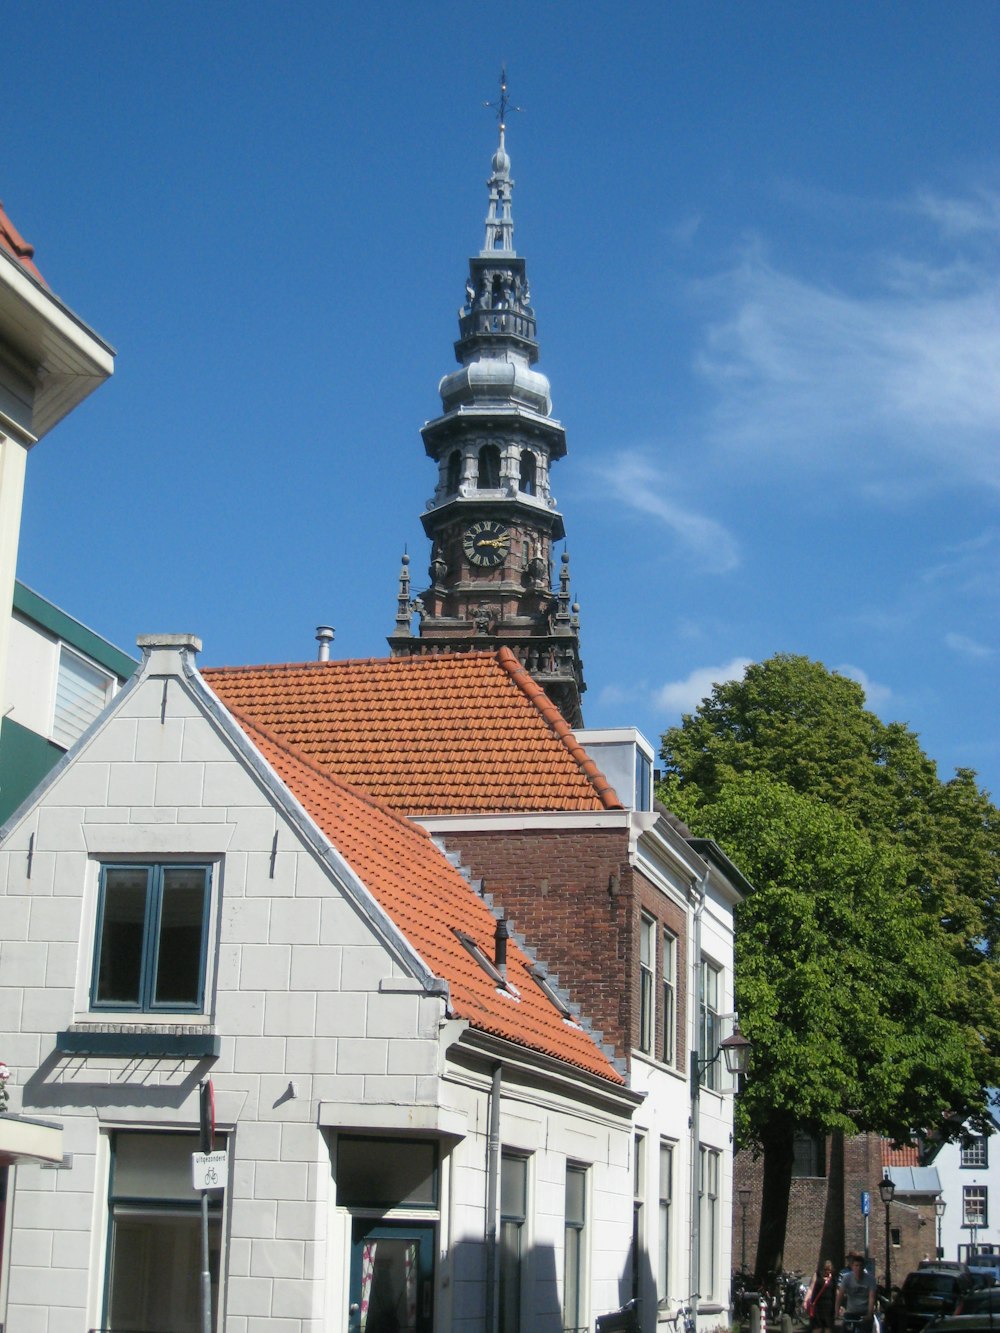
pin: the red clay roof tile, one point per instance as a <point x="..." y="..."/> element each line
<point x="442" y="734"/>
<point x="425" y="896"/>
<point x="14" y="243"/>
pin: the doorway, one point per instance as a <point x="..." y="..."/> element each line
<point x="392" y="1277"/>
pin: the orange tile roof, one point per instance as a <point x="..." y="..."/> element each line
<point x="442" y="734"/>
<point x="896" y="1155"/>
<point x="425" y="895"/>
<point x="14" y="243"/>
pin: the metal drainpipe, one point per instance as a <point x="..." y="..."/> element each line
<point x="694" y="1274"/>
<point x="492" y="1194"/>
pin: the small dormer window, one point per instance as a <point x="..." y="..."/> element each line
<point x="489" y="468"/>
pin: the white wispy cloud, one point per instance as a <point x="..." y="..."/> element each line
<point x="631" y="479"/>
<point x="966" y="646"/>
<point x="876" y="695"/>
<point x="903" y="373"/>
<point x="683" y="696"/>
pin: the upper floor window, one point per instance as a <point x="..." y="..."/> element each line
<point x="668" y="1040"/>
<point x="489" y="468"/>
<point x="711" y="989"/>
<point x="152" y="933"/>
<point x="975" y="1153"/>
<point x="647" y="965"/>
<point x="82" y="690"/>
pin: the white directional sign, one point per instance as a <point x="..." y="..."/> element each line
<point x="209" y="1170"/>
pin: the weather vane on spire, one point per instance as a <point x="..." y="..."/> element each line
<point x="503" y="103"/>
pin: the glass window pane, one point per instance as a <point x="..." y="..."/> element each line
<point x="513" y="1186"/>
<point x="576" y="1179"/>
<point x="122" y="926"/>
<point x="154" y="1166"/>
<point x="386" y="1172"/>
<point x="179" y="952"/>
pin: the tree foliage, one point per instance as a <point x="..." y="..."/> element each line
<point x="866" y="956"/>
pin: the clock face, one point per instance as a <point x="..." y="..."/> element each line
<point x="486" y="543"/>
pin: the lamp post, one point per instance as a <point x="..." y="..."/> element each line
<point x="744" y="1200"/>
<point x="736" y="1050"/>
<point x="887" y="1191"/>
<point x="939" y="1207"/>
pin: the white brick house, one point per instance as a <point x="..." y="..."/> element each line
<point x="186" y="897"/>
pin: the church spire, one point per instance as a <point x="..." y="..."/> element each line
<point x="492" y="520"/>
<point x="499" y="222"/>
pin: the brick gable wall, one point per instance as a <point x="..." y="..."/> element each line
<point x="571" y="894"/>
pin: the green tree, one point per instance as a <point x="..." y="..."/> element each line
<point x="866" y="974"/>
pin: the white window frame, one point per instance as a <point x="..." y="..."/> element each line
<point x="648" y="943"/>
<point x="668" y="990"/>
<point x="580" y="1249"/>
<point x="710" y="991"/>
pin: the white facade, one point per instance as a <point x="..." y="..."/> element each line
<point x="969" y="1175"/>
<point x="326" y="1041"/>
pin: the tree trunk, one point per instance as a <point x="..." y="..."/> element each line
<point x="778" y="1142"/>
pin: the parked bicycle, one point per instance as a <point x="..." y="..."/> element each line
<point x="683" y="1318"/>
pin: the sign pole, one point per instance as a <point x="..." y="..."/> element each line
<point x="207" y="1107"/>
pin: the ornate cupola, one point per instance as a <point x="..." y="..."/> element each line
<point x="492" y="520"/>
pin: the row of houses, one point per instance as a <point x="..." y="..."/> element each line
<point x="423" y="962"/>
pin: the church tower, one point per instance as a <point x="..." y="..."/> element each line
<point x="492" y="521"/>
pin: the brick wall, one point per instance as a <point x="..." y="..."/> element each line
<point x="571" y="894"/>
<point x="824" y="1212"/>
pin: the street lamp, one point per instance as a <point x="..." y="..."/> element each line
<point x="744" y="1200"/>
<point x="886" y="1192"/>
<point x="939" y="1207"/>
<point x="736" y="1050"/>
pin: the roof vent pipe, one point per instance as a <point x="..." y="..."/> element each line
<point x="500" y="937"/>
<point x="324" y="637"/>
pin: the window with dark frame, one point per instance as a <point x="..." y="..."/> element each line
<point x="974" y="1206"/>
<point x="975" y="1153"/>
<point x="150" y="953"/>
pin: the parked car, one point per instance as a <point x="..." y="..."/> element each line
<point x="924" y="1295"/>
<point x="980" y="1314"/>
<point x="986" y="1275"/>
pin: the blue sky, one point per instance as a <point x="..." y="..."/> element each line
<point x="762" y="242"/>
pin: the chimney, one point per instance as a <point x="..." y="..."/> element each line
<point x="500" y="937"/>
<point x="324" y="637"/>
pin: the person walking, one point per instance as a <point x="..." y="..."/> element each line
<point x="856" y="1294"/>
<point x="821" y="1298"/>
